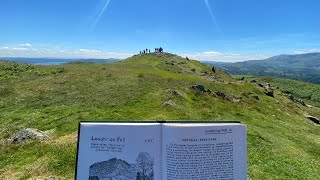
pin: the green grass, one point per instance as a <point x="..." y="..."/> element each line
<point x="299" y="89"/>
<point x="282" y="144"/>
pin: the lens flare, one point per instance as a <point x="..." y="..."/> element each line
<point x="98" y="16"/>
<point x="213" y="18"/>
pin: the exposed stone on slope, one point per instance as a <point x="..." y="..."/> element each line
<point x="199" y="88"/>
<point x="26" y="135"/>
<point x="174" y="92"/>
<point x="269" y="93"/>
<point x="169" y="103"/>
<point x="291" y="97"/>
<point x="302" y="102"/>
<point x="312" y="118"/>
<point x="227" y="97"/>
<point x="220" y="94"/>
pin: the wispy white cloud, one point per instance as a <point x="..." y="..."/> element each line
<point x="20" y="49"/>
<point x="88" y="50"/>
<point x="24" y="45"/>
<point x="303" y="51"/>
<point x="223" y="57"/>
<point x="212" y="53"/>
<point x="60" y="53"/>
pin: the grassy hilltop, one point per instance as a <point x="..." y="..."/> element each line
<point x="282" y="143"/>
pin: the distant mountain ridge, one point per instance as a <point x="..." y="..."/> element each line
<point x="305" y="67"/>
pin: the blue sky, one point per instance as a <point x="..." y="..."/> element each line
<point x="219" y="30"/>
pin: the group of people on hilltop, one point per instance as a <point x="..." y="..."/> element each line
<point x="145" y="51"/>
<point x="158" y="49"/>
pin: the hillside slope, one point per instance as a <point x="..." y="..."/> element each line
<point x="304" y="67"/>
<point x="282" y="143"/>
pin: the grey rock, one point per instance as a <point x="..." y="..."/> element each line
<point x="174" y="92"/>
<point x="267" y="86"/>
<point x="26" y="135"/>
<point x="169" y="103"/>
<point x="313" y="119"/>
<point x="270" y="93"/>
<point x="302" y="102"/>
<point x="169" y="63"/>
<point x="232" y="99"/>
<point x="256" y="97"/>
<point x="309" y="106"/>
<point x="199" y="88"/>
<point x="291" y="97"/>
<point x="229" y="98"/>
<point x="220" y="94"/>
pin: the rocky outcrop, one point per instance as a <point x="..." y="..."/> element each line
<point x="220" y="94"/>
<point x="256" y="97"/>
<point x="169" y="103"/>
<point x="28" y="134"/>
<point x="227" y="97"/>
<point x="313" y="119"/>
<point x="198" y="88"/>
<point x="269" y="93"/>
<point x="169" y="63"/>
<point x="302" y="102"/>
<point x="173" y="92"/>
<point x="290" y="96"/>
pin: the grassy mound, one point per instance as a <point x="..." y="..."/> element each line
<point x="282" y="143"/>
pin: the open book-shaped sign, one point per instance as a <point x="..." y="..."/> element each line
<point x="156" y="151"/>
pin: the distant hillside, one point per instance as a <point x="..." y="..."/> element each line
<point x="215" y="63"/>
<point x="55" y="61"/>
<point x="305" y="67"/>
